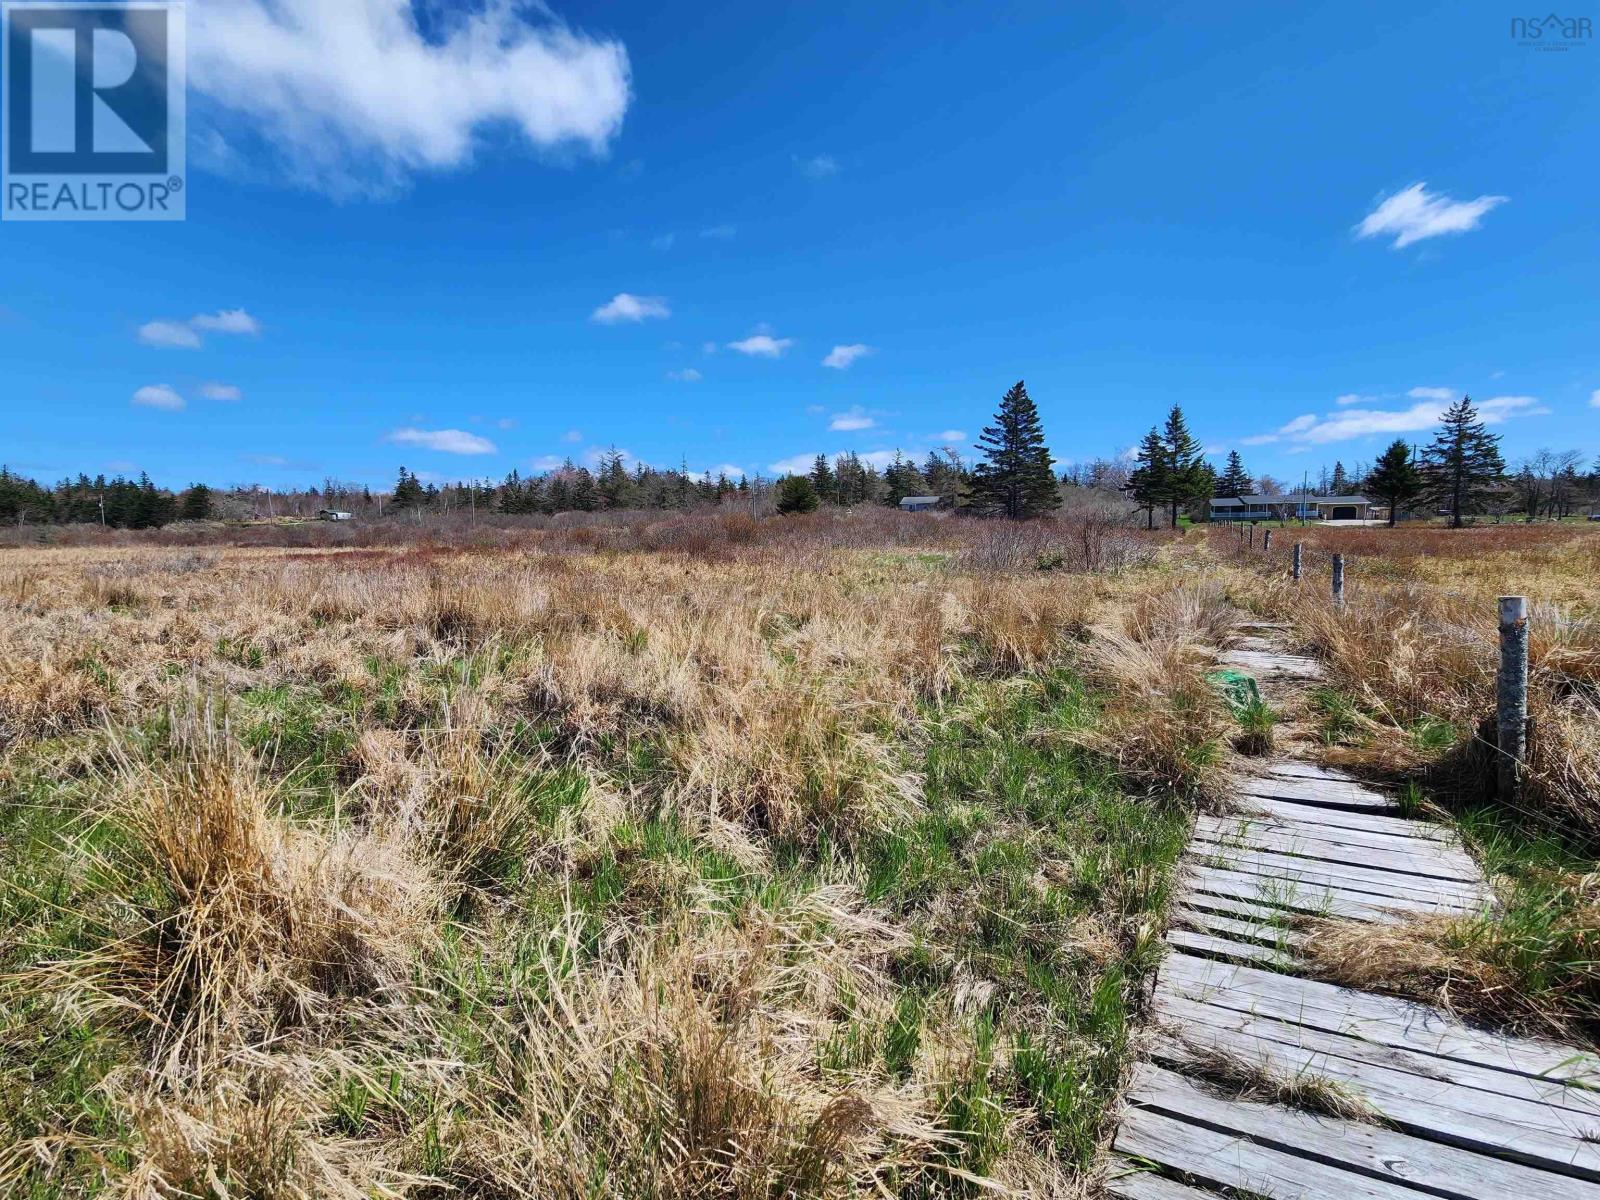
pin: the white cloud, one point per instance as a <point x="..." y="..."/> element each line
<point x="708" y="347"/>
<point x="846" y="422"/>
<point x="762" y="345"/>
<point x="1350" y="398"/>
<point x="572" y="435"/>
<point x="818" y="167"/>
<point x="548" y="462"/>
<point x="594" y="454"/>
<point x="506" y="423"/>
<point x="160" y="396"/>
<point x="625" y="306"/>
<point x="355" y="97"/>
<point x="731" y="470"/>
<point x="1416" y="213"/>
<point x="185" y="335"/>
<point x="228" y="320"/>
<point x="446" y="441"/>
<point x="795" y="464"/>
<point x="1349" y="423"/>
<point x="171" y="335"/>
<point x="1594" y="398"/>
<point x="954" y="435"/>
<point x="221" y="391"/>
<point x="840" y="357"/>
<point x="687" y="375"/>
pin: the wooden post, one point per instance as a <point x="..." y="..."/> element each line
<point x="1252" y="536"/>
<point x="1299" y="552"/>
<point x="1511" y="709"/>
<point x="1338" y="580"/>
<point x="1266" y="540"/>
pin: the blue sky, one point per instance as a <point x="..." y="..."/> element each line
<point x="467" y="239"/>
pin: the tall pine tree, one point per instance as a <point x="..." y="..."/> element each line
<point x="1015" y="479"/>
<point x="1187" y="479"/>
<point x="1235" y="480"/>
<point x="1395" y="479"/>
<point x="1149" y="484"/>
<point x="1463" y="465"/>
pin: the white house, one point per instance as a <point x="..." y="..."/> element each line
<point x="1299" y="506"/>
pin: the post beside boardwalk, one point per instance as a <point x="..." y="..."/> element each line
<point x="1511" y="701"/>
<point x="1299" y="552"/>
<point x="1338" y="580"/>
<point x="1266" y="540"/>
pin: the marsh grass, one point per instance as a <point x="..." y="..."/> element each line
<point x="792" y="871"/>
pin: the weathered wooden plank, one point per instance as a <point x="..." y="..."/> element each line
<point x="1313" y="823"/>
<point x="1412" y="866"/>
<point x="1229" y="948"/>
<point x="1354" y="1145"/>
<point x="1293" y="768"/>
<point x="1494" y="1125"/>
<point x="1228" y="1160"/>
<point x="1321" y="792"/>
<point x="1310" y="885"/>
<point x="1272" y="665"/>
<point x="1442" y="893"/>
<point x="1384" y="1020"/>
<point x="1135" y="1183"/>
<point x="1256" y="930"/>
<point x="1293" y="813"/>
<point x="1245" y="910"/>
<point x="1555" y="1108"/>
<point x="1434" y="859"/>
<point x="1260" y="890"/>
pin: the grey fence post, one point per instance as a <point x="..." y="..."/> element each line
<point x="1338" y="580"/>
<point x="1299" y="551"/>
<point x="1266" y="540"/>
<point x="1252" y="537"/>
<point x="1511" y="708"/>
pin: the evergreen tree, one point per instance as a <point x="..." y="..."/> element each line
<point x="1463" y="465"/>
<point x="1235" y="481"/>
<point x="823" y="480"/>
<point x="796" y="495"/>
<point x="1015" y="480"/>
<point x="613" y="484"/>
<point x="1149" y="483"/>
<point x="196" y="504"/>
<point x="1340" y="484"/>
<point x="408" y="491"/>
<point x="1395" y="479"/>
<point x="1188" y="480"/>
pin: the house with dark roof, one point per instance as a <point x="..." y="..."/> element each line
<point x="1300" y="506"/>
<point x="919" y="503"/>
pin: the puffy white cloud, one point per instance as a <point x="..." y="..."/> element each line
<point x="185" y="335"/>
<point x="228" y="320"/>
<point x="171" y="335"/>
<point x="548" y="462"/>
<point x="221" y="391"/>
<point x="840" y="357"/>
<point x="1352" y="422"/>
<point x="762" y="345"/>
<point x="847" y="422"/>
<point x="1415" y="213"/>
<point x="159" y="395"/>
<point x="687" y="375"/>
<point x="1432" y="393"/>
<point x="795" y="464"/>
<point x="625" y="306"/>
<point x="446" y="441"/>
<point x="355" y="97"/>
<point x="1594" y="398"/>
<point x="957" y="435"/>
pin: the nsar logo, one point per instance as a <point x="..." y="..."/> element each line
<point x="1552" y="32"/>
<point x="93" y="124"/>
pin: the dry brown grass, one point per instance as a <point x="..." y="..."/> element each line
<point x="408" y="871"/>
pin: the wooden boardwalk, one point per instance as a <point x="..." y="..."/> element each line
<point x="1454" y="1111"/>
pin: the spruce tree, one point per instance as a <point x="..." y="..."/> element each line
<point x="1149" y="483"/>
<point x="1187" y="480"/>
<point x="1463" y="465"/>
<point x="196" y="504"/>
<point x="823" y="480"/>
<point x="1340" y="484"/>
<point x="1395" y="479"/>
<point x="796" y="495"/>
<point x="1235" y="481"/>
<point x="1015" y="480"/>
